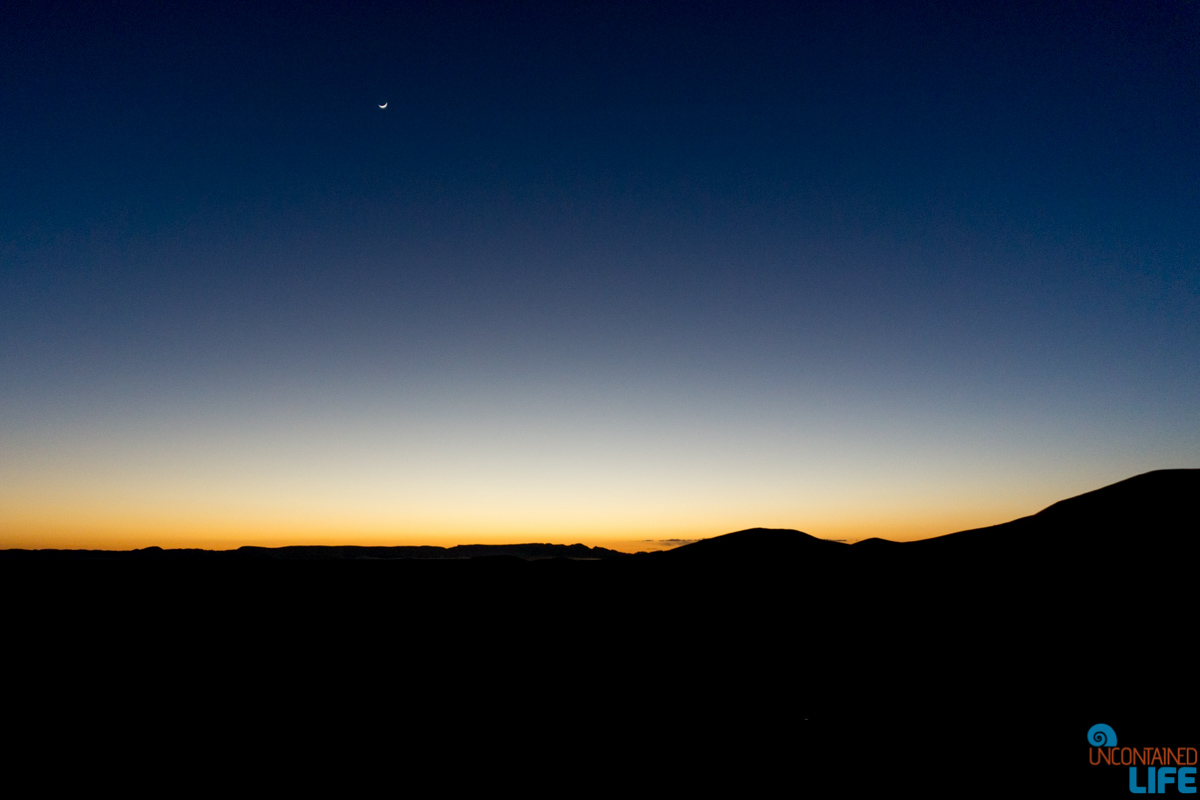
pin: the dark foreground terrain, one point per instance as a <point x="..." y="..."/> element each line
<point x="745" y="663"/>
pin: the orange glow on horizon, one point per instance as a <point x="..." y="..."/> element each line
<point x="61" y="531"/>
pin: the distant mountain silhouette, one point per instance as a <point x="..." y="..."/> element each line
<point x="1152" y="512"/>
<point x="523" y="551"/>
<point x="754" y="543"/>
<point x="874" y="542"/>
<point x="757" y="659"/>
<point x="1155" y="511"/>
<point x="528" y="552"/>
<point x="1146" y="512"/>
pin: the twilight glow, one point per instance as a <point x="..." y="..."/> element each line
<point x="600" y="277"/>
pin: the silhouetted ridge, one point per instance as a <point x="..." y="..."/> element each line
<point x="754" y="544"/>
<point x="1147" y="512"/>
<point x="875" y="541"/>
<point x="1148" y="515"/>
<point x="531" y="551"/>
<point x="526" y="552"/>
<point x="989" y="652"/>
<point x="1163" y="497"/>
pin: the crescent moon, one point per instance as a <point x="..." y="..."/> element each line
<point x="384" y="105"/>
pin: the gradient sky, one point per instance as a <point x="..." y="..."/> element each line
<point x="614" y="273"/>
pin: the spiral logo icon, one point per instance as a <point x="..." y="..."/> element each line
<point x="1102" y="735"/>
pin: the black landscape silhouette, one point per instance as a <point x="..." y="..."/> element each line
<point x="745" y="658"/>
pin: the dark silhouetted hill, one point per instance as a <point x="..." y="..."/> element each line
<point x="1147" y="516"/>
<point x="528" y="552"/>
<point x="758" y="659"/>
<point x="754" y="544"/>
<point x="1153" y="511"/>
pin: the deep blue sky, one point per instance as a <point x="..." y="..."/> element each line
<point x="607" y="271"/>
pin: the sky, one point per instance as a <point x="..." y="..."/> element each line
<point x="612" y="273"/>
